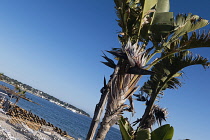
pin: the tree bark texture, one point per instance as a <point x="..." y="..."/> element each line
<point x="122" y="87"/>
<point x="100" y="107"/>
<point x="98" y="111"/>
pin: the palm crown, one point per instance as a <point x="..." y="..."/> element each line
<point x="153" y="43"/>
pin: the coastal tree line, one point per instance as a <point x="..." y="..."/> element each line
<point x="39" y="93"/>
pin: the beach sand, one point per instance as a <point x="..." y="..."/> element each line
<point x="16" y="129"/>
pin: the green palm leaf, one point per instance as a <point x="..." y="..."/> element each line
<point x="164" y="132"/>
<point x="196" y="40"/>
<point x="185" y="24"/>
<point x="165" y="77"/>
<point x="146" y="22"/>
<point x="125" y="129"/>
<point x="143" y="134"/>
<point x="168" y="69"/>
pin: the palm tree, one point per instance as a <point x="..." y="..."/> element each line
<point x="20" y="94"/>
<point x="17" y="93"/>
<point x="153" y="43"/>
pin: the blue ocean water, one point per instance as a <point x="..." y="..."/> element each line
<point x="75" y="124"/>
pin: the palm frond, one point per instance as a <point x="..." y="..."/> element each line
<point x="160" y="114"/>
<point x="191" y="41"/>
<point x="139" y="71"/>
<point x="110" y="63"/>
<point x="167" y="71"/>
<point x="196" y="40"/>
<point x="142" y="22"/>
<point x="186" y="42"/>
<point x="157" y="115"/>
<point x="118" y="54"/>
<point x="185" y="24"/>
<point x="140" y="97"/>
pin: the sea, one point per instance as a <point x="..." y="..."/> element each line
<point x="76" y="125"/>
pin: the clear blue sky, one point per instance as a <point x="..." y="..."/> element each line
<point x="55" y="46"/>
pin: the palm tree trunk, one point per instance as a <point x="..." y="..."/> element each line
<point x="107" y="122"/>
<point x="96" y="118"/>
<point x="110" y="118"/>
<point x="147" y="113"/>
<point x="99" y="108"/>
<point x="103" y="130"/>
<point x="120" y="90"/>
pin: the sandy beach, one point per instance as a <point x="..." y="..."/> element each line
<point x="17" y="129"/>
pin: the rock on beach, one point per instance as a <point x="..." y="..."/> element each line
<point x="19" y="124"/>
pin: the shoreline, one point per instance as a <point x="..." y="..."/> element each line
<point x="52" y="101"/>
<point x="13" y="126"/>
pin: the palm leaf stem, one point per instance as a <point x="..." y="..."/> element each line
<point x="163" y="57"/>
<point x="151" y="102"/>
<point x="151" y="56"/>
<point x="185" y="61"/>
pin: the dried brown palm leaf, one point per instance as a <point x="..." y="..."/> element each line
<point x="121" y="89"/>
<point x="160" y="114"/>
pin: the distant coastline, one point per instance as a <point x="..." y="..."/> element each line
<point x="43" y="95"/>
